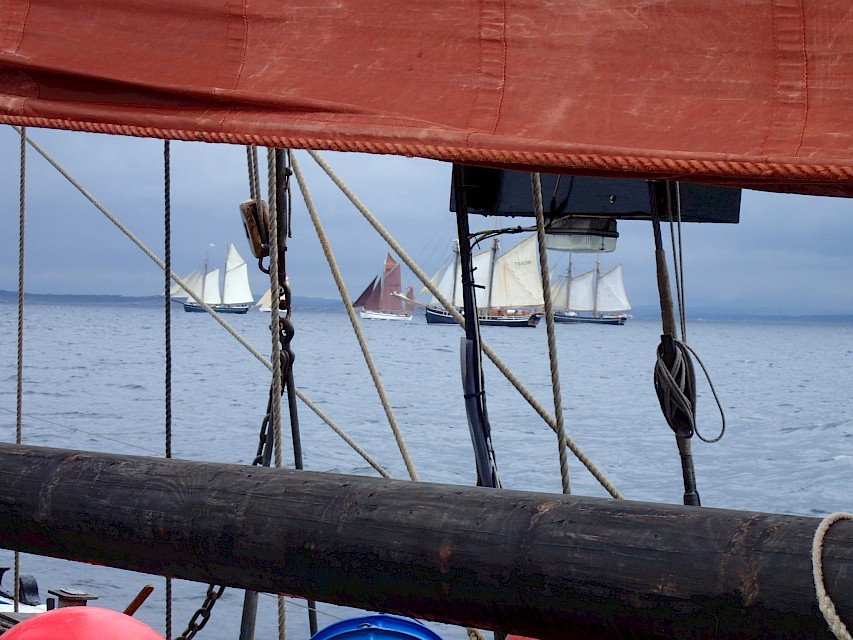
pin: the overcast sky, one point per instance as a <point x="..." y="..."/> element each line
<point x="789" y="254"/>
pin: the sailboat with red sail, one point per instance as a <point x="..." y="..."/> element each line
<point x="381" y="299"/>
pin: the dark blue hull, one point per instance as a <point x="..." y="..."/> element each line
<point x="440" y="316"/>
<point x="567" y="319"/>
<point x="194" y="307"/>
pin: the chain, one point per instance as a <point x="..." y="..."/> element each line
<point x="203" y="613"/>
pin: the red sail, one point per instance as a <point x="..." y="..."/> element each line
<point x="743" y="93"/>
<point x="365" y="295"/>
<point x="391" y="280"/>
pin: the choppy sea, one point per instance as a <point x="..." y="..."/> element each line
<point x="94" y="380"/>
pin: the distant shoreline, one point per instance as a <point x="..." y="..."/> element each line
<point x="11" y="297"/>
<point x="326" y="304"/>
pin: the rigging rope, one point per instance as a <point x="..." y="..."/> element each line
<point x="473" y="634"/>
<point x="145" y="249"/>
<point x="827" y="608"/>
<point x="549" y="325"/>
<point x="260" y="357"/>
<point x="275" y="330"/>
<point x="16" y="591"/>
<point x="425" y="280"/>
<point x="167" y="255"/>
<point x="275" y="409"/>
<point x="362" y="343"/>
<point x="677" y="256"/>
<point x="252" y="162"/>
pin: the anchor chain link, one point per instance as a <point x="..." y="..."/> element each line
<point x="202" y="615"/>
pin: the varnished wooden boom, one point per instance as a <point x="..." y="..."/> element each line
<point x="542" y="565"/>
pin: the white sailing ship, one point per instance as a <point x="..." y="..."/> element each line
<point x="235" y="294"/>
<point x="509" y="287"/>
<point x="591" y="297"/>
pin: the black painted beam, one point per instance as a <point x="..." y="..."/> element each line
<point x="541" y="565"/>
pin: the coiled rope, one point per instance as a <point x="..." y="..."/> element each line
<point x="425" y="280"/>
<point x="671" y="383"/>
<point x="827" y="608"/>
<point x="675" y="381"/>
<point x="549" y="325"/>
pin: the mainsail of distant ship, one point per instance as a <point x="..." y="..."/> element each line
<point x="591" y="297"/>
<point x="507" y="284"/>
<point x="380" y="300"/>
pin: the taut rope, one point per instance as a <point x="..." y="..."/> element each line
<point x="362" y="343"/>
<point x="167" y="255"/>
<point x="425" y="280"/>
<point x="16" y="591"/>
<point x="549" y="325"/>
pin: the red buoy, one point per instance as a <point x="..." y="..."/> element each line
<point x="81" y="623"/>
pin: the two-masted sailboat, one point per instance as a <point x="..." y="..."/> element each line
<point x="509" y="287"/>
<point x="235" y="294"/>
<point x="591" y="297"/>
<point x="381" y="299"/>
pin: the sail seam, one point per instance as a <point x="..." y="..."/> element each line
<point x="790" y="77"/>
<point x="491" y="76"/>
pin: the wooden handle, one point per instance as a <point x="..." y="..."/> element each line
<point x="139" y="599"/>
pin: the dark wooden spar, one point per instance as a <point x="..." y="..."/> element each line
<point x="544" y="565"/>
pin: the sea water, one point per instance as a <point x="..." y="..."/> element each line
<point x="94" y="380"/>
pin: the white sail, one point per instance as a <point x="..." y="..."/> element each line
<point x="582" y="292"/>
<point x="235" y="285"/>
<point x="517" y="281"/>
<point x="211" y="288"/>
<point x="264" y="303"/>
<point x="434" y="281"/>
<point x="482" y="266"/>
<point x="611" y="296"/>
<point x="560" y="293"/>
<point x="193" y="282"/>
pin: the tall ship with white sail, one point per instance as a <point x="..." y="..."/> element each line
<point x="235" y="294"/>
<point x="509" y="287"/>
<point x="591" y="297"/>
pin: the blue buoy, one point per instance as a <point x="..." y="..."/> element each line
<point x="377" y="626"/>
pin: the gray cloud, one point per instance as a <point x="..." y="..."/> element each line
<point x="789" y="254"/>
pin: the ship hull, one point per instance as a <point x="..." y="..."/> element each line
<point x="440" y="316"/>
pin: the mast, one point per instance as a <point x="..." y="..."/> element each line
<point x="569" y="283"/>
<point x="206" y="256"/>
<point x="455" y="271"/>
<point x="495" y="248"/>
<point x="595" y="291"/>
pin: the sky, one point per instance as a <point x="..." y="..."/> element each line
<point x="788" y="255"/>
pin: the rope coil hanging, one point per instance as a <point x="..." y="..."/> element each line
<point x="674" y="374"/>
